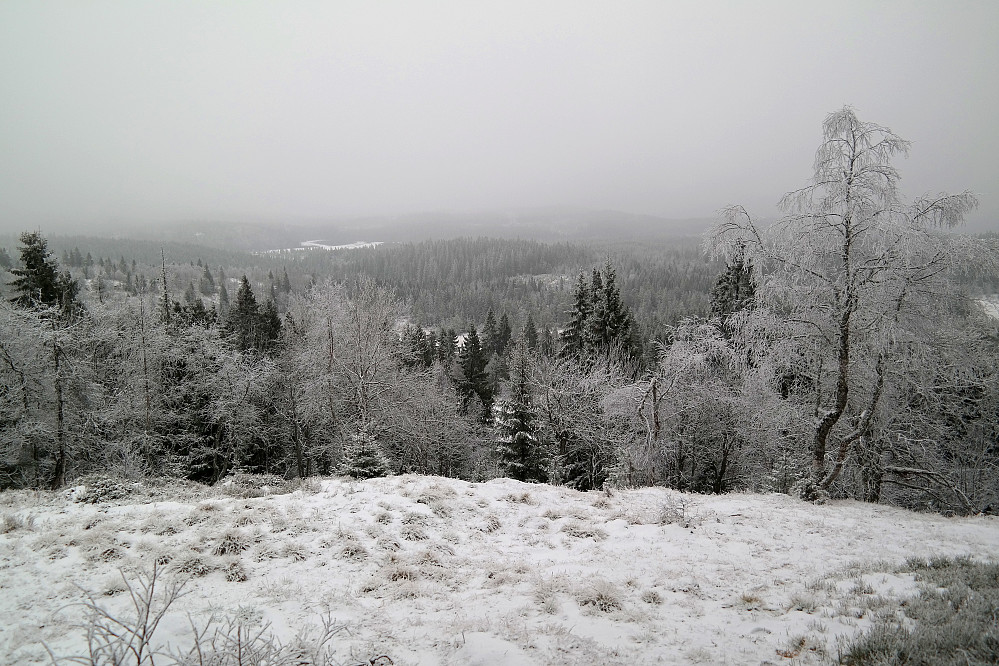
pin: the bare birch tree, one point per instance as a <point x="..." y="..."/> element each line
<point x="844" y="281"/>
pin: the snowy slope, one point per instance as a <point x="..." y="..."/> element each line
<point x="439" y="571"/>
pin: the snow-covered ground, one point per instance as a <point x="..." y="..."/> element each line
<point x="438" y="571"/>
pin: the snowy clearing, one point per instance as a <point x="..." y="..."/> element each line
<point x="322" y="245"/>
<point x="439" y="571"/>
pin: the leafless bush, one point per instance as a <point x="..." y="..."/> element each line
<point x="241" y="641"/>
<point x="677" y="509"/>
<point x="128" y="639"/>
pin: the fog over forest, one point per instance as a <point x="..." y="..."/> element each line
<point x="558" y="333"/>
<point x="119" y="114"/>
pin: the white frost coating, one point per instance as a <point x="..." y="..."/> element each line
<point x="440" y="571"/>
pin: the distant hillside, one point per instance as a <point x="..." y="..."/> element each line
<point x="544" y="224"/>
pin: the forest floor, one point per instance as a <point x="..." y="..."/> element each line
<point x="429" y="570"/>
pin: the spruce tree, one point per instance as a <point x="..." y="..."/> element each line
<point x="473" y="380"/>
<point x="490" y="335"/>
<point x="530" y="335"/>
<point x="575" y="335"/>
<point x="733" y="290"/>
<point x="521" y="454"/>
<point x="362" y="457"/>
<point x="242" y="319"/>
<point x="37" y="283"/>
<point x="268" y="326"/>
<point x="617" y="318"/>
<point x="504" y="334"/>
<point x="223" y="301"/>
<point x="595" y="329"/>
<point x="207" y="283"/>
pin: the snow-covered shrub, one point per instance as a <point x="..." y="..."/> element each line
<point x="363" y="457"/>
<point x="676" y="509"/>
<point x="601" y="594"/>
<point x="234" y="570"/>
<point x="546" y="593"/>
<point x="414" y="518"/>
<point x="232" y="542"/>
<point x="95" y="488"/>
<point x="295" y="551"/>
<point x="439" y="498"/>
<point x="806" y="489"/>
<point x="244" y="485"/>
<point x="652" y="597"/>
<point x="195" y="566"/>
<point x="352" y="550"/>
<point x="413" y="533"/>
<point x="520" y="498"/>
<point x="491" y="523"/>
<point x="12" y="522"/>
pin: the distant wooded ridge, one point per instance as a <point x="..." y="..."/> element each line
<point x="544" y="224"/>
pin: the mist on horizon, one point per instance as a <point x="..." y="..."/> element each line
<point x="118" y="113"/>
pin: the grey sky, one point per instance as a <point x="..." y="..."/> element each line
<point x="167" y="110"/>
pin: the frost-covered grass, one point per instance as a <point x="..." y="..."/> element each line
<point x="438" y="571"/>
<point x="953" y="620"/>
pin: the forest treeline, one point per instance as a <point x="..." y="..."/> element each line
<point x="837" y="354"/>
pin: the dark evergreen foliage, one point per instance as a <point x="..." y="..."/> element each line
<point x="472" y="380"/>
<point x="733" y="290"/>
<point x="521" y="453"/>
<point x="600" y="325"/>
<point x="362" y="457"/>
<point x="39" y="283"/>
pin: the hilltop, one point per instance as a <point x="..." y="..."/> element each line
<point x="430" y="570"/>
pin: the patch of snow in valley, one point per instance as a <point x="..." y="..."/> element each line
<point x="322" y="245"/>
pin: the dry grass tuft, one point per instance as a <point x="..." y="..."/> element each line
<point x="353" y="551"/>
<point x="12" y="523"/>
<point x="413" y="533"/>
<point x="524" y="497"/>
<point x="601" y="594"/>
<point x="583" y="530"/>
<point x="195" y="566"/>
<point x="490" y="524"/>
<point x="234" y="571"/>
<point x="233" y="542"/>
<point x="652" y="597"/>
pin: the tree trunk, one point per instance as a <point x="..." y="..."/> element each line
<point x="832" y="417"/>
<point x="59" y="472"/>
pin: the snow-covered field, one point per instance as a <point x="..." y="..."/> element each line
<point x="438" y="571"/>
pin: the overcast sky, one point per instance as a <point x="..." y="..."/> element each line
<point x="153" y="111"/>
